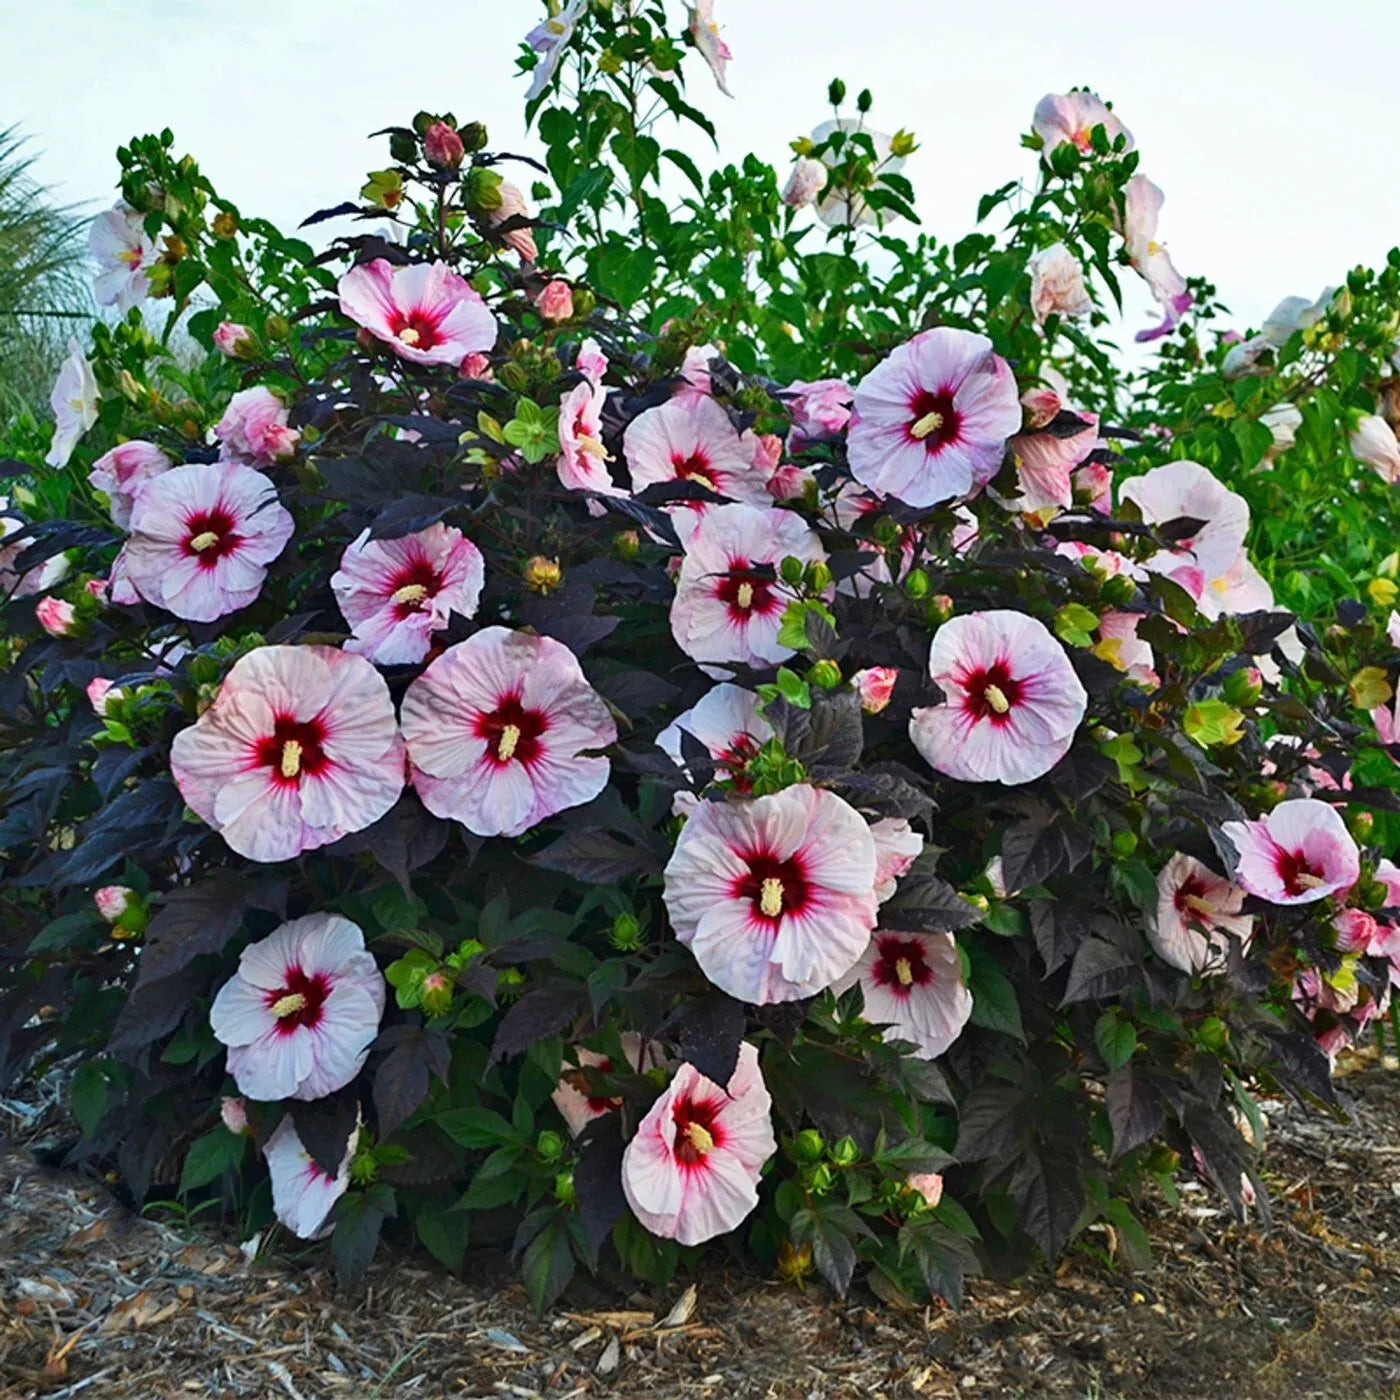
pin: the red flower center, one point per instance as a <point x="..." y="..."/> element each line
<point x="1299" y="875"/>
<point x="991" y="693"/>
<point x="1189" y="897"/>
<point x="294" y="749"/>
<point x="417" y="328"/>
<point x="696" y="467"/>
<point x="745" y="592"/>
<point x="742" y="747"/>
<point x="934" y="419"/>
<point x="413" y="585"/>
<point x="578" y="1079"/>
<point x="297" y="1004"/>
<point x="698" y="1129"/>
<point x="210" y="535"/>
<point x="512" y="732"/>
<point x="773" y="887"/>
<point x="900" y="965"/>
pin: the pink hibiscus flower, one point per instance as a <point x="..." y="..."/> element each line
<point x="723" y="609"/>
<point x="202" y="538"/>
<point x="775" y="896"/>
<point x="121" y="473"/>
<point x="576" y="1103"/>
<point x="521" y="239"/>
<point x="1198" y="913"/>
<point x="1012" y="702"/>
<point x="932" y="421"/>
<point x="304" y="1194"/>
<point x="1071" y="117"/>
<point x="396" y="593"/>
<point x="125" y="254"/>
<point x="1300" y="852"/>
<point x="1142" y="206"/>
<point x="693" y="440"/>
<point x="1057" y="284"/>
<point x="254" y="429"/>
<point x="425" y="311"/>
<point x="820" y="408"/>
<point x="913" y="986"/>
<point x="502" y="731"/>
<point x="1186" y="490"/>
<point x="691" y="1171"/>
<point x="1386" y="718"/>
<point x="583" y="459"/>
<point x="299" y="749"/>
<point x="302" y="1011"/>
<point x="705" y="32"/>
<point x="728" y="721"/>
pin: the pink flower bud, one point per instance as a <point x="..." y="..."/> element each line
<point x="232" y="339"/>
<point x="556" y="302"/>
<point x="97" y="588"/>
<point x="1355" y="930"/>
<point x="112" y="901"/>
<point x="102" y="694"/>
<point x="56" y="617"/>
<point x="475" y="366"/>
<point x="1092" y="484"/>
<point x="234" y="1112"/>
<point x="929" y="1185"/>
<point x="875" y="685"/>
<point x="443" y="147"/>
<point x="1041" y="406"/>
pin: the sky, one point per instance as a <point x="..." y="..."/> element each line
<point x="1268" y="123"/>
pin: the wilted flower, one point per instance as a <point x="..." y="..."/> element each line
<point x="233" y="340"/>
<point x="202" y="538"/>
<point x="571" y="1096"/>
<point x="1283" y="422"/>
<point x="303" y="1009"/>
<point x="1057" y="284"/>
<point x="56" y="616"/>
<point x="1373" y="442"/>
<point x="550" y="39"/>
<point x="775" y="895"/>
<point x="875" y="685"/>
<point x="804" y="183"/>
<point x="692" y="441"/>
<point x="254" y="429"/>
<point x="442" y="146"/>
<point x="1198" y="913"/>
<point x="820" y="410"/>
<point x="691" y="1171"/>
<point x="396" y="593"/>
<point x="727" y="607"/>
<point x="1142" y="205"/>
<point x="124" y="254"/>
<point x="424" y="311"/>
<point x="303" y="1193"/>
<point x="705" y="32"/>
<point x="299" y="749"/>
<point x="913" y="986"/>
<point x="931" y="422"/>
<point x="122" y="472"/>
<point x="1071" y="117"/>
<point x="727" y="720"/>
<point x="514" y="205"/>
<point x="502" y="732"/>
<point x="1012" y="701"/>
<point x="897" y="847"/>
<point x="1300" y="852"/>
<point x="74" y="401"/>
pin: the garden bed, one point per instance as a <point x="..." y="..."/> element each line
<point x="95" y="1301"/>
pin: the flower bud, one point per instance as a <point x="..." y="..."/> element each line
<point x="1117" y="590"/>
<point x="437" y="994"/>
<point x="940" y="607"/>
<point x="1244" y="687"/>
<point x="794" y="1261"/>
<point x="845" y="1153"/>
<point x="277" y="328"/>
<point x="836" y="92"/>
<point x="808" y="1145"/>
<point x="103" y="695"/>
<point x="864" y="101"/>
<point x="929" y="1185"/>
<point x="225" y="224"/>
<point x="442" y="146"/>
<point x="564" y="1191"/>
<point x="902" y="143"/>
<point x="549" y="1145"/>
<point x="627" y="544"/>
<point x="473" y="136"/>
<point x="56" y="616"/>
<point x="626" y="934"/>
<point x="790" y="570"/>
<point x="542" y="575"/>
<point x="916" y="583"/>
<point x="235" y="341"/>
<point x="817" y="576"/>
<point x="234" y="1113"/>
<point x="826" y="674"/>
<point x="805" y="183"/>
<point x="875" y="685"/>
<point x="1212" y="1033"/>
<point x="556" y="302"/>
<point x="1361" y="824"/>
<point x="113" y="901"/>
<point x="1125" y="843"/>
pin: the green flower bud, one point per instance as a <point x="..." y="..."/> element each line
<point x="836" y="92"/>
<point x="1124" y="844"/>
<point x="1361" y="824"/>
<point x="826" y="674"/>
<point x="845" y="1153"/>
<point x="626" y="934"/>
<point x="916" y="583"/>
<point x="564" y="1191"/>
<point x="808" y="1145"/>
<point x="549" y="1145"/>
<point x="473" y="136"/>
<point x="436" y="994"/>
<point x="1117" y="590"/>
<point x="790" y="571"/>
<point x="1213" y="1033"/>
<point x="818" y="576"/>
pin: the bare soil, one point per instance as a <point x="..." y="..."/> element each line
<point x="97" y="1301"/>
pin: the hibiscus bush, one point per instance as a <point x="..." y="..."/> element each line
<point x="657" y="707"/>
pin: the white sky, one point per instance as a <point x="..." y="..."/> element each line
<point x="1269" y="123"/>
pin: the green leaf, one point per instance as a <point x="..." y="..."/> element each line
<point x="88" y="1095"/>
<point x="210" y="1156"/>
<point x="548" y="1264"/>
<point x="1116" y="1040"/>
<point x="994" y="1004"/>
<point x="476" y="1127"/>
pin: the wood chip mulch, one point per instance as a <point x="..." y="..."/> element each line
<point x="98" y="1302"/>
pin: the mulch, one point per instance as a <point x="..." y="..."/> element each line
<point x="96" y="1301"/>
